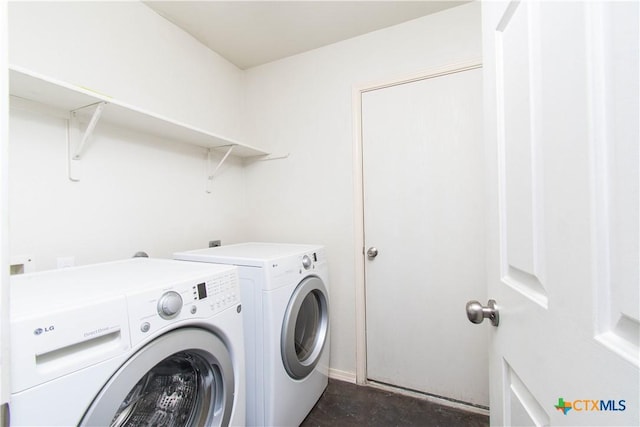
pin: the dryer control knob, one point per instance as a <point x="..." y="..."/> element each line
<point x="169" y="305"/>
<point x="306" y="262"/>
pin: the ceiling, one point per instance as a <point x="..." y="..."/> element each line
<point x="251" y="33"/>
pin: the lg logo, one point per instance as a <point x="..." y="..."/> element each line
<point x="40" y="331"/>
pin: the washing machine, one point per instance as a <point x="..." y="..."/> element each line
<point x="284" y="290"/>
<point x="134" y="342"/>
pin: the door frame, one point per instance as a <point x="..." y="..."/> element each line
<point x="5" y="365"/>
<point x="358" y="192"/>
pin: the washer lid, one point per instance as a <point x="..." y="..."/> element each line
<point x="253" y="254"/>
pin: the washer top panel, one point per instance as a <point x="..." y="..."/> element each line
<point x="253" y="254"/>
<point x="56" y="289"/>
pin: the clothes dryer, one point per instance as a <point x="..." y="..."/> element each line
<point x="135" y="342"/>
<point x="284" y="290"/>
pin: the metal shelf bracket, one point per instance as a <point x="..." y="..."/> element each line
<point x="213" y="172"/>
<point x="270" y="157"/>
<point x="78" y="139"/>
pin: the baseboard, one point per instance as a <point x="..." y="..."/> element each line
<point x="349" y="377"/>
<point x="435" y="399"/>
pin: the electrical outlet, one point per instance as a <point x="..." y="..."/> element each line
<point x="21" y="264"/>
<point x="214" y="243"/>
<point x="65" y="262"/>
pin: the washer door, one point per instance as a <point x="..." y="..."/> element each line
<point x="305" y="327"/>
<point x="183" y="378"/>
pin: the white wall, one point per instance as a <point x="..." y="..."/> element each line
<point x="129" y="52"/>
<point x="302" y="105"/>
<point x="136" y="192"/>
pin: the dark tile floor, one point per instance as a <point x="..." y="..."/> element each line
<point x="346" y="404"/>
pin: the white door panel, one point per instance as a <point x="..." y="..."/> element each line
<point x="424" y="212"/>
<point x="615" y="93"/>
<point x="561" y="82"/>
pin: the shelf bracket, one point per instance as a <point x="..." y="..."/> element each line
<point x="213" y="172"/>
<point x="77" y="139"/>
<point x="266" y="158"/>
<point x="270" y="157"/>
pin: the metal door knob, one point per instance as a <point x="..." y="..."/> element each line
<point x="372" y="252"/>
<point x="476" y="312"/>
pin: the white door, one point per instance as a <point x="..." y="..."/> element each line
<point x="562" y="159"/>
<point x="423" y="175"/>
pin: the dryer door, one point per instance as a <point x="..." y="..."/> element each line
<point x="183" y="378"/>
<point x="305" y="327"/>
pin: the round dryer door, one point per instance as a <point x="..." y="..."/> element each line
<point x="160" y="386"/>
<point x="305" y="327"/>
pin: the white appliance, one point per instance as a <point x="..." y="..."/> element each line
<point x="286" y="305"/>
<point x="135" y="342"/>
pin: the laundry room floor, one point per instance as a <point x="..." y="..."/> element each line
<point x="346" y="404"/>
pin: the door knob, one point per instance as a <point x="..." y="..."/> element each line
<point x="476" y="312"/>
<point x="372" y="252"/>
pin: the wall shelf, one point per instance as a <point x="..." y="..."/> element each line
<point x="35" y="87"/>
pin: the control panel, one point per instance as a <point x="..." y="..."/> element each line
<point x="304" y="263"/>
<point x="309" y="260"/>
<point x="156" y="309"/>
